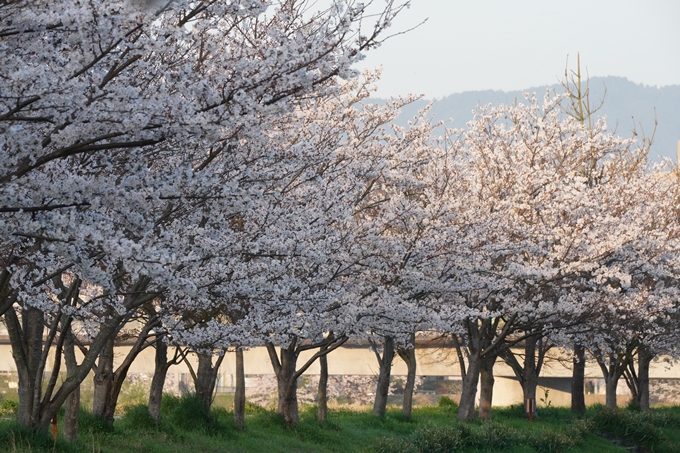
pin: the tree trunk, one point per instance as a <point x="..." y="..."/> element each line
<point x="644" y="359"/>
<point x="111" y="382"/>
<point x="578" y="401"/>
<point x="158" y="381"/>
<point x="322" y="408"/>
<point x="287" y="374"/>
<point x="240" y="393"/>
<point x="27" y="342"/>
<point x="206" y="377"/>
<point x="532" y="368"/>
<point x="408" y="355"/>
<point x="70" y="424"/>
<point x="612" y="370"/>
<point x="286" y="379"/>
<point x="383" y="387"/>
<point x="486" y="390"/>
<point x="527" y="374"/>
<point x="638" y="380"/>
<point x="103" y="381"/>
<point x="610" y="387"/>
<point x="466" y="410"/>
<point x="26" y="337"/>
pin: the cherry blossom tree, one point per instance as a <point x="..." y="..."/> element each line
<point x="532" y="230"/>
<point x="118" y="122"/>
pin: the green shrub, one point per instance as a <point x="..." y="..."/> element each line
<point x="440" y="439"/>
<point x="137" y="418"/>
<point x="169" y="403"/>
<point x="14" y="437"/>
<point x="8" y="408"/>
<point x="188" y="414"/>
<point x="551" y="441"/>
<point x="516" y="410"/>
<point x="662" y="417"/>
<point x="631" y="426"/>
<point x="393" y="445"/>
<point x="445" y="401"/>
<point x="582" y="426"/>
<point x="90" y="423"/>
<point x="493" y="436"/>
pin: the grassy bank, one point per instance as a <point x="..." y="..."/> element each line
<point x="185" y="428"/>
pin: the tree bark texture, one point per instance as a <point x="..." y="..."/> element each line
<point x="161" y="367"/>
<point x="285" y="364"/>
<point x="466" y="409"/>
<point x="385" y="369"/>
<point x="109" y="382"/>
<point x="638" y="380"/>
<point x="26" y="337"/>
<point x="610" y="387"/>
<point x="578" y="401"/>
<point x="240" y="392"/>
<point x="322" y="407"/>
<point x="206" y="377"/>
<point x="645" y="358"/>
<point x="103" y="381"/>
<point x="286" y="379"/>
<point x="70" y="424"/>
<point x="486" y="389"/>
<point x="408" y="355"/>
<point x="527" y="373"/>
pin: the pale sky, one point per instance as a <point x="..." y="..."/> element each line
<point x="518" y="44"/>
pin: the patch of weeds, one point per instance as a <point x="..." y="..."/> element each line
<point x="492" y="435"/>
<point x="252" y="408"/>
<point x="630" y="426"/>
<point x="428" y="439"/>
<point x="315" y="432"/>
<point x="551" y="441"/>
<point x="14" y="437"/>
<point x="515" y="410"/>
<point x="137" y="418"/>
<point x="446" y="402"/>
<point x="189" y="415"/>
<point x="8" y="408"/>
<point x="89" y="423"/>
<point x="440" y="439"/>
<point x="393" y="445"/>
<point x="169" y="403"/>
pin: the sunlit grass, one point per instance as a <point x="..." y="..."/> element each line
<point x="184" y="428"/>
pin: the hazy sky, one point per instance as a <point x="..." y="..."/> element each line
<point x="516" y="44"/>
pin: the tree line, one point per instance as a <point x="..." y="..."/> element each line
<point x="210" y="176"/>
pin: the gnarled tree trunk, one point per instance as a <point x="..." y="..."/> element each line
<point x="466" y="409"/>
<point x="408" y="355"/>
<point x="109" y="382"/>
<point x="486" y="388"/>
<point x="578" y="401"/>
<point x="385" y="368"/>
<point x="205" y="379"/>
<point x="638" y="380"/>
<point x="161" y="367"/>
<point x="70" y="424"/>
<point x="103" y="381"/>
<point x="535" y="349"/>
<point x="26" y="337"/>
<point x="240" y="392"/>
<point x="645" y="357"/>
<point x="322" y="408"/>
<point x="286" y="379"/>
<point x="285" y="364"/>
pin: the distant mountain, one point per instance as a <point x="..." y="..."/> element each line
<point x="624" y="100"/>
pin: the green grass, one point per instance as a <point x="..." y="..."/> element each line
<point x="185" y="428"/>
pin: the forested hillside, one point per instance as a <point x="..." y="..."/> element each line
<point x="624" y="100"/>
